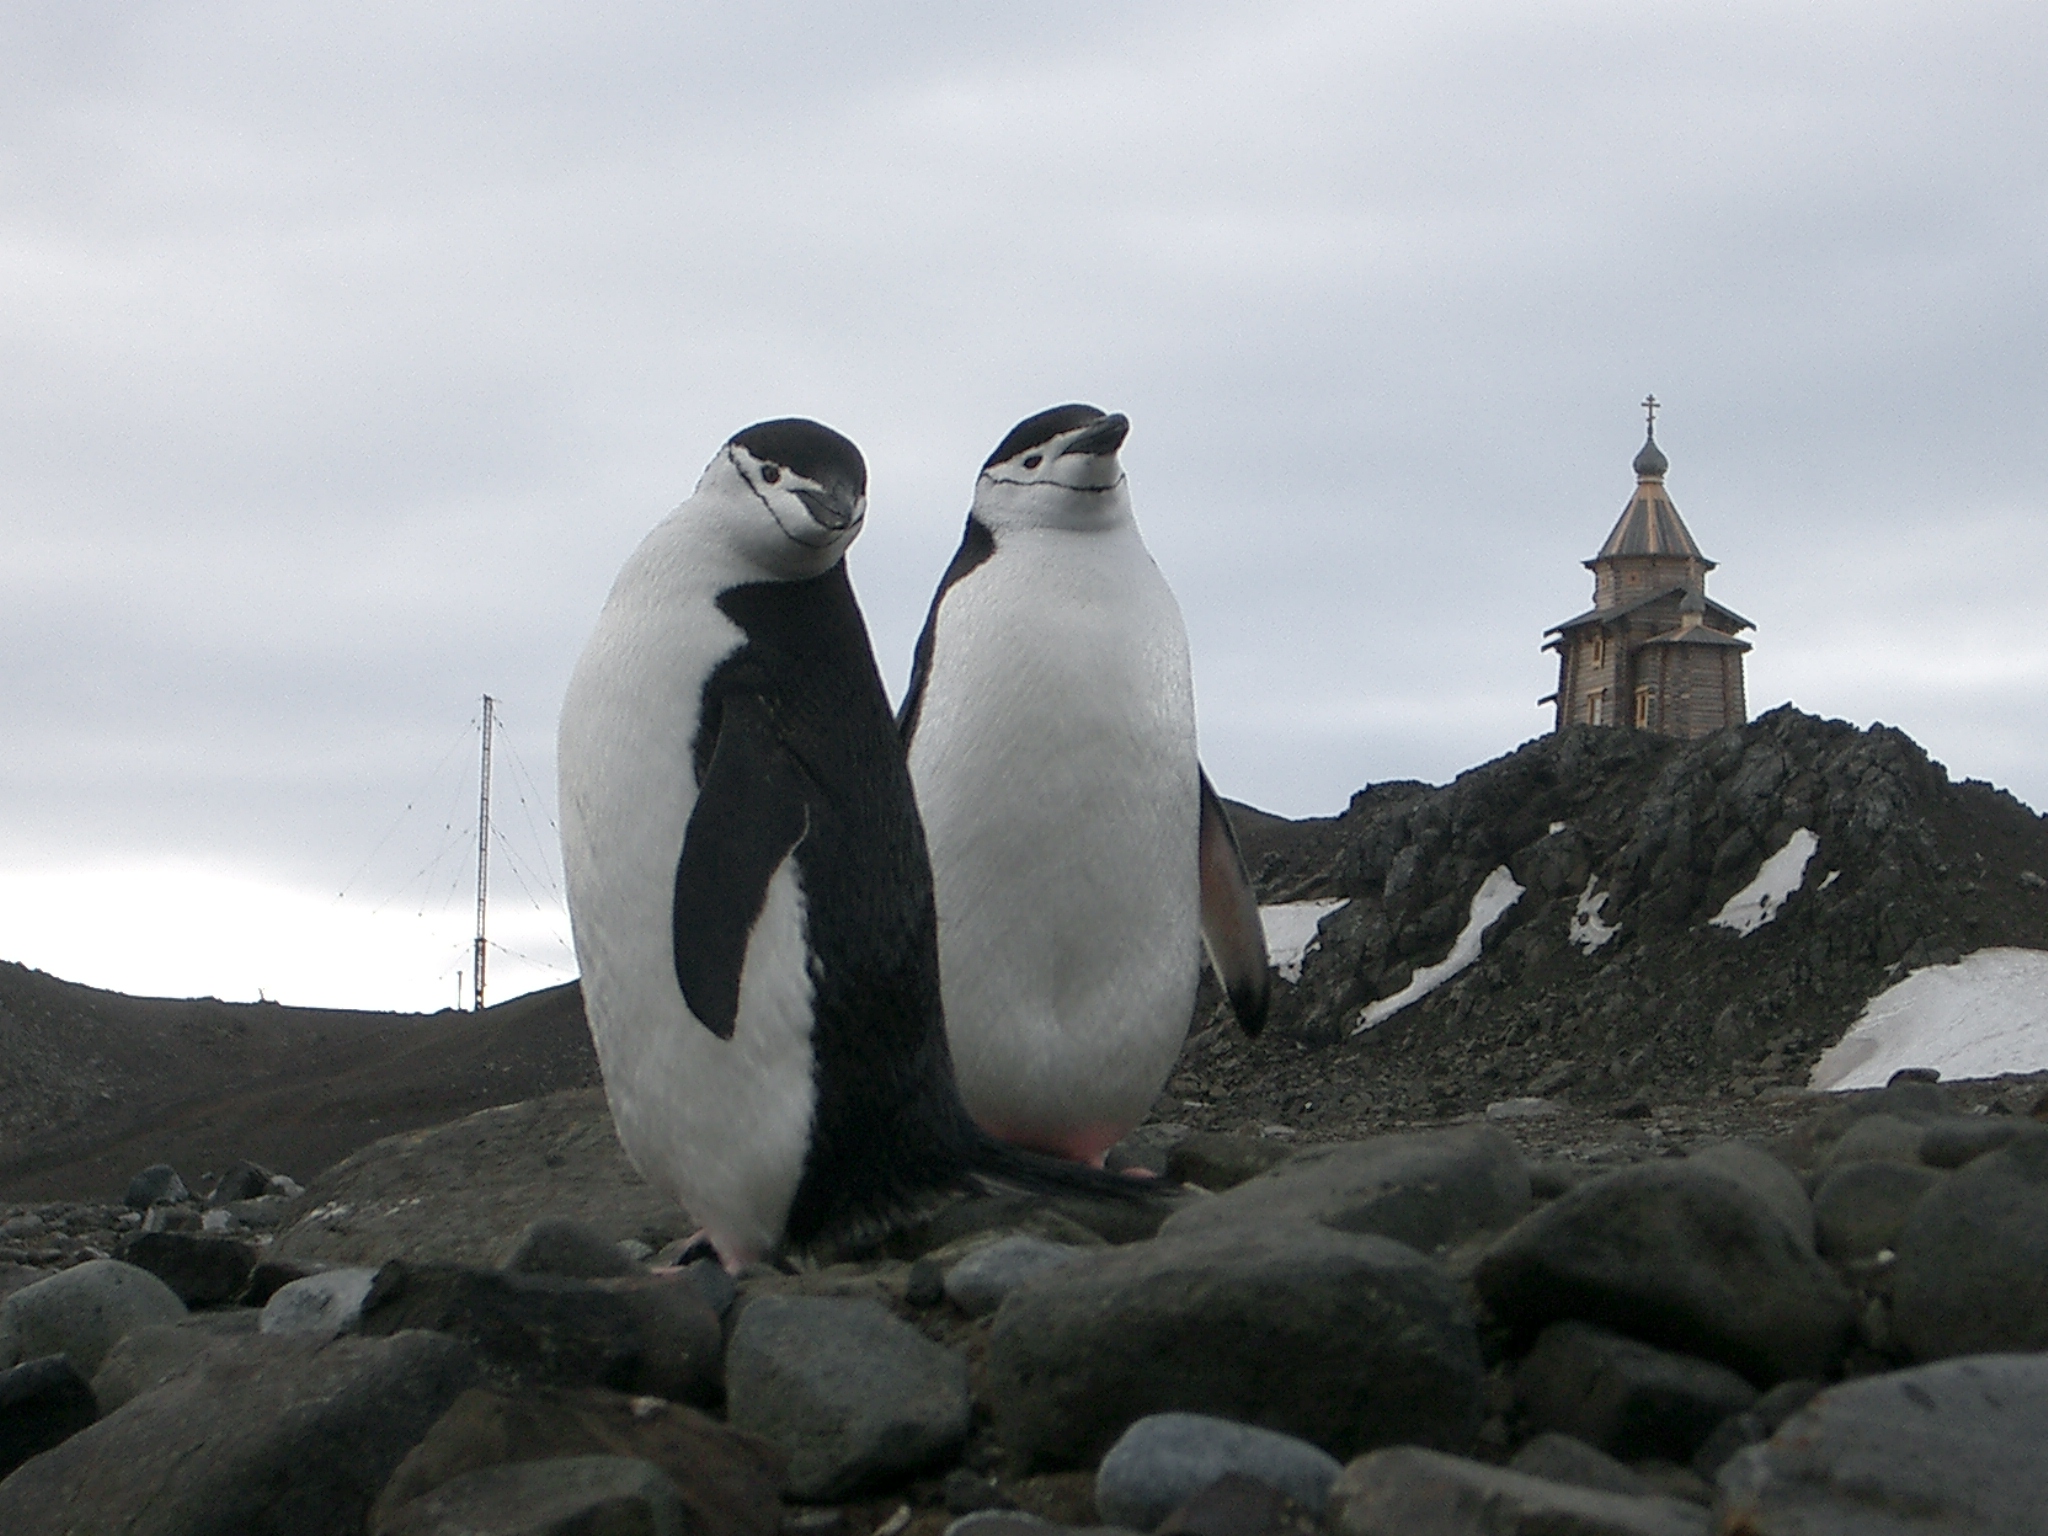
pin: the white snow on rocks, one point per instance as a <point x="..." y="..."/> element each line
<point x="1588" y="932"/>
<point x="1495" y="895"/>
<point x="1291" y="932"/>
<point x="1782" y="874"/>
<point x="1986" y="1014"/>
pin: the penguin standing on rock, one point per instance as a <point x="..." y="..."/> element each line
<point x="1080" y="856"/>
<point x="748" y="884"/>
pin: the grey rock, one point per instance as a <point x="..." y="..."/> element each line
<point x="464" y="1192"/>
<point x="560" y="1246"/>
<point x="1752" y="1426"/>
<point x="1860" y="1208"/>
<point x="852" y="1394"/>
<point x="1428" y="1190"/>
<point x="1551" y="1177"/>
<point x="1567" y="1459"/>
<point x="1765" y="1177"/>
<point x="42" y="1404"/>
<point x="562" y="1496"/>
<point x="1972" y="1272"/>
<point x="965" y="1490"/>
<point x="1625" y="1397"/>
<point x="1344" y="1341"/>
<point x="272" y="1275"/>
<point x="1680" y="1257"/>
<point x="203" y="1271"/>
<point x="1876" y="1136"/>
<point x="1075" y="1221"/>
<point x="1214" y="1160"/>
<point x="266" y="1434"/>
<point x="978" y="1283"/>
<point x="924" y="1285"/>
<point x="1954" y="1141"/>
<point x="1165" y="1459"/>
<point x="650" y="1334"/>
<point x="146" y="1359"/>
<point x="1914" y="1091"/>
<point x="264" y="1213"/>
<point x="713" y="1284"/>
<point x="1236" y="1505"/>
<point x="83" y="1312"/>
<point x="323" y="1305"/>
<point x="157" y="1184"/>
<point x="1408" y="1491"/>
<point x="1954" y="1446"/>
<point x="1002" y="1522"/>
<point x="242" y="1181"/>
<point x="730" y="1482"/>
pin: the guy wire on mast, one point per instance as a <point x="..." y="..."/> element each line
<point x="483" y="850"/>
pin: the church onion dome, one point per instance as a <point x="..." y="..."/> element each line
<point x="1651" y="463"/>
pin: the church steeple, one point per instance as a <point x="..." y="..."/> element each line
<point x="1649" y="526"/>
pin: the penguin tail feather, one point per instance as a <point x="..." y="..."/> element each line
<point x="1042" y="1174"/>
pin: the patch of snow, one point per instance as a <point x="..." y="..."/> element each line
<point x="1780" y="875"/>
<point x="1986" y="1014"/>
<point x="1495" y="895"/>
<point x="1833" y="876"/>
<point x="1291" y="932"/>
<point x="1556" y="827"/>
<point x="1587" y="930"/>
<point x="1521" y="1109"/>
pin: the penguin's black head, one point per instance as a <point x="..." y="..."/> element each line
<point x="780" y="502"/>
<point x="1058" y="468"/>
<point x="1037" y="431"/>
<point x="825" y="471"/>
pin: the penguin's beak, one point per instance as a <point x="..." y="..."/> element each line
<point x="1102" y="439"/>
<point x="831" y="507"/>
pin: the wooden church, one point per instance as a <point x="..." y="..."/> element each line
<point x="1654" y="651"/>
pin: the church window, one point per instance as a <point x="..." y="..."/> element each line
<point x="1643" y="706"/>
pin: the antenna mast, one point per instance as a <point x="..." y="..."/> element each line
<point x="483" y="850"/>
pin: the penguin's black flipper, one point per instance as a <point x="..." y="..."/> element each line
<point x="750" y="813"/>
<point x="976" y="545"/>
<point x="1231" y="930"/>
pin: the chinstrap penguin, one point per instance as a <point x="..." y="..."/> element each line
<point x="1079" y="854"/>
<point x="749" y="890"/>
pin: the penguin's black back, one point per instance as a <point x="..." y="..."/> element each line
<point x="888" y="1125"/>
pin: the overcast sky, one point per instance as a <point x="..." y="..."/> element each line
<point x="349" y="350"/>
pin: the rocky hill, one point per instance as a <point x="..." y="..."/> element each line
<point x="1607" y="980"/>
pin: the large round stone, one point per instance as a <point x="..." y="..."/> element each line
<point x="1681" y="1257"/>
<point x="1972" y="1275"/>
<point x="1344" y="1341"/>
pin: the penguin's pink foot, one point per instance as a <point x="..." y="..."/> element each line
<point x="699" y="1245"/>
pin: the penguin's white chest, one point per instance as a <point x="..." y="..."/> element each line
<point x="722" y="1125"/>
<point x="1055" y="767"/>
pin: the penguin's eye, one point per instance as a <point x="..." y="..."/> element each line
<point x="1034" y="461"/>
<point x="770" y="473"/>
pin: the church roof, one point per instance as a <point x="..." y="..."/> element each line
<point x="1650" y="524"/>
<point x="1696" y="634"/>
<point x="1593" y="615"/>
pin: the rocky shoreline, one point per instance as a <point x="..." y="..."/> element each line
<point x="1711" y="1315"/>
